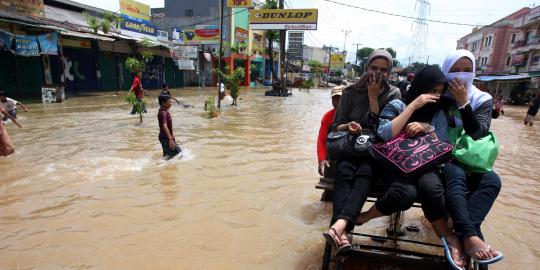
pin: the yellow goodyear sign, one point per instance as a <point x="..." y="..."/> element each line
<point x="283" y="19"/>
<point x="135" y="10"/>
<point x="238" y="3"/>
<point x="337" y="62"/>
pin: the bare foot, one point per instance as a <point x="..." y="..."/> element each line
<point x="338" y="232"/>
<point x="456" y="250"/>
<point x="478" y="249"/>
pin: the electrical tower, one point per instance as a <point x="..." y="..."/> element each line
<point x="417" y="47"/>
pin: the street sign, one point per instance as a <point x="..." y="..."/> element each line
<point x="296" y="48"/>
<point x="283" y="19"/>
<point x="238" y="3"/>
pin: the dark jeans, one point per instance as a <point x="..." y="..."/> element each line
<point x="402" y="192"/>
<point x="167" y="152"/>
<point x="352" y="185"/>
<point x="468" y="211"/>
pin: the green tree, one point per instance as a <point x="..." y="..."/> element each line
<point x="232" y="81"/>
<point x="362" y="56"/>
<point x="272" y="36"/>
<point x="392" y="52"/>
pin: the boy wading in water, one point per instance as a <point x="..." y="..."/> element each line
<point x="166" y="137"/>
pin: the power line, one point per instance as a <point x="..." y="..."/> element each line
<point x="410" y="17"/>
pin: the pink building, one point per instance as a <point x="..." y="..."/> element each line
<point x="494" y="46"/>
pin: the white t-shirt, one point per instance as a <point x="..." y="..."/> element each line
<point x="228" y="100"/>
<point x="10" y="104"/>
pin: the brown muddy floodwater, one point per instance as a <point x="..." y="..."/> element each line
<point x="87" y="188"/>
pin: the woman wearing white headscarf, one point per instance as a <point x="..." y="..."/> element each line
<point x="474" y="117"/>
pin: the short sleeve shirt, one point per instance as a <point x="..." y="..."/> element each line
<point x="10" y="104"/>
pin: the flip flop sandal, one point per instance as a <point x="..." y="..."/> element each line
<point x="487" y="261"/>
<point x="340" y="250"/>
<point x="448" y="252"/>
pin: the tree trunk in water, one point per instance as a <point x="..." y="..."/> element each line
<point x="140" y="117"/>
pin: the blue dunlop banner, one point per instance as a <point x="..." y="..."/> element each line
<point x="139" y="27"/>
<point x="26" y="45"/>
<point x="30" y="45"/>
<point x="48" y="43"/>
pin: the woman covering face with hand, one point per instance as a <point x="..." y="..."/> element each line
<point x="358" y="109"/>
<point x="470" y="109"/>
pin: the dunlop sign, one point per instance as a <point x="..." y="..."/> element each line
<point x="283" y="19"/>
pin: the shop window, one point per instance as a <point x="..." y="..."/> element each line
<point x="508" y="58"/>
<point x="189" y="13"/>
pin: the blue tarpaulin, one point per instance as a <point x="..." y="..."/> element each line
<point x="502" y="78"/>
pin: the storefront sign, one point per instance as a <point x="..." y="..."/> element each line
<point x="138" y="27"/>
<point x="135" y="10"/>
<point x="336" y="62"/>
<point x="52" y="94"/>
<point x="178" y="36"/>
<point x="185" y="65"/>
<point x="238" y="3"/>
<point x="48" y="43"/>
<point x="283" y="19"/>
<point x="6" y="41"/>
<point x="75" y="43"/>
<point x="187" y="52"/>
<point x="296" y="46"/>
<point x="241" y="37"/>
<point x="162" y="35"/>
<point x="26" y="45"/>
<point x="202" y="34"/>
<point x="258" y="42"/>
<point x="29" y="7"/>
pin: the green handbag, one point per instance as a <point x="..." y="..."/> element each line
<point x="477" y="156"/>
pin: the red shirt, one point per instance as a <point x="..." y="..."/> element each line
<point x="326" y="122"/>
<point x="137" y="87"/>
<point x="164" y="117"/>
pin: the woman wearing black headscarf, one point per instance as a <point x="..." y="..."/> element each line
<point x="414" y="115"/>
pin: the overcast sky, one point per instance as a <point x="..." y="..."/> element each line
<point x="377" y="30"/>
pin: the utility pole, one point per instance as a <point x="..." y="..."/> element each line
<point x="356" y="52"/>
<point x="329" y="63"/>
<point x="346" y="32"/>
<point x="219" y="53"/>
<point x="282" y="39"/>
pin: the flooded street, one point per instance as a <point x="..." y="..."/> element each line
<point x="87" y="188"/>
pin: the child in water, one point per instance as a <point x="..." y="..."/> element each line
<point x="166" y="137"/>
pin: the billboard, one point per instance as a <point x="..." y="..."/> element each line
<point x="283" y="19"/>
<point x="202" y="34"/>
<point x="29" y="7"/>
<point x="296" y="46"/>
<point x="337" y="62"/>
<point x="238" y="3"/>
<point x="135" y="10"/>
<point x="144" y="28"/>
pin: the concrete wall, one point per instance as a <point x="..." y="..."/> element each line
<point x="201" y="8"/>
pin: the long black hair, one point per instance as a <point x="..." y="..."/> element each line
<point x="425" y="80"/>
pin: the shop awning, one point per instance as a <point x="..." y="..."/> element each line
<point x="85" y="35"/>
<point x="503" y="78"/>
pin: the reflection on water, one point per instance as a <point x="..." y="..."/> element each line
<point x="87" y="188"/>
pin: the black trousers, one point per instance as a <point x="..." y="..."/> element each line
<point x="468" y="210"/>
<point x="352" y="185"/>
<point x="402" y="193"/>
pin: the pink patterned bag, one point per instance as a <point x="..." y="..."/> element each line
<point x="412" y="156"/>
